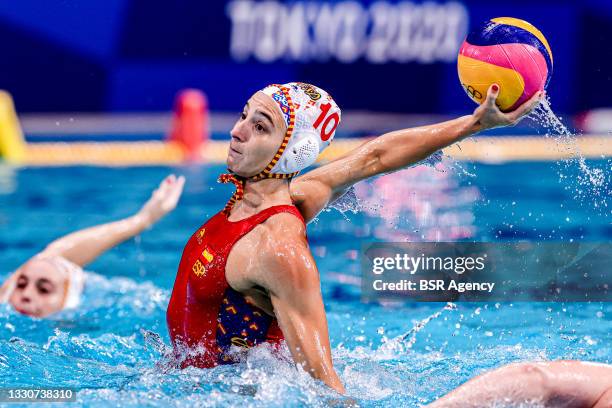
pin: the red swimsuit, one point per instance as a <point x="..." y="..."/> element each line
<point x="205" y="315"/>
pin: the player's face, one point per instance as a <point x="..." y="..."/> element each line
<point x="39" y="290"/>
<point x="256" y="136"/>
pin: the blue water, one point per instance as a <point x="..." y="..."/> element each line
<point x="113" y="347"/>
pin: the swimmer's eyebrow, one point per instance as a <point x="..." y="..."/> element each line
<point x="44" y="281"/>
<point x="265" y="115"/>
<point x="262" y="113"/>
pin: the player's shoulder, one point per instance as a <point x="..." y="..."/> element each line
<point x="283" y="248"/>
<point x="285" y="223"/>
<point x="282" y="230"/>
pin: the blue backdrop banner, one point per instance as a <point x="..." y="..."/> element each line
<point x="384" y="55"/>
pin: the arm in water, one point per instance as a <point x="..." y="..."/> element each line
<point x="546" y="384"/>
<point x="289" y="274"/>
<point x="84" y="246"/>
<point x="396" y="150"/>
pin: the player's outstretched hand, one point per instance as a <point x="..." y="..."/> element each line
<point x="489" y="116"/>
<point x="163" y="200"/>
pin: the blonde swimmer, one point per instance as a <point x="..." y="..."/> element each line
<point x="53" y="280"/>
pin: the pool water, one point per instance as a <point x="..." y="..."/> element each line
<point x="113" y="348"/>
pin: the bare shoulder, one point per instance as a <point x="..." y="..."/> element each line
<point x="281" y="235"/>
<point x="283" y="252"/>
<point x="285" y="223"/>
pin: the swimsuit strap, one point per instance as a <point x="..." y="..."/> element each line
<point x="276" y="209"/>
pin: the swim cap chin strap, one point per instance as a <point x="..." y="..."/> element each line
<point x="312" y="108"/>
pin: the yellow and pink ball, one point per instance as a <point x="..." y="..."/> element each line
<point x="509" y="52"/>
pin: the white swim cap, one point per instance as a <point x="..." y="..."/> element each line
<point x="75" y="278"/>
<point x="76" y="281"/>
<point x="311" y="116"/>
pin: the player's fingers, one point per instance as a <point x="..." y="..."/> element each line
<point x="492" y="94"/>
<point x="162" y="185"/>
<point x="177" y="190"/>
<point x="181" y="181"/>
<point x="526" y="107"/>
<point x="167" y="183"/>
<point x="178" y="186"/>
<point x="170" y="180"/>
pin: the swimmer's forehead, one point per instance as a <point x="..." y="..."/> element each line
<point x="265" y="106"/>
<point x="42" y="269"/>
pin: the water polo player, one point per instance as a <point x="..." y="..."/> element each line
<point x="247" y="275"/>
<point x="53" y="280"/>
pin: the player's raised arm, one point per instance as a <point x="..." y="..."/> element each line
<point x="396" y="150"/>
<point x="84" y="246"/>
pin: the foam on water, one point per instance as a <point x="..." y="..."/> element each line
<point x="592" y="185"/>
<point x="409" y="368"/>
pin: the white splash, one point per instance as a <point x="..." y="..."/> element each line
<point x="591" y="184"/>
